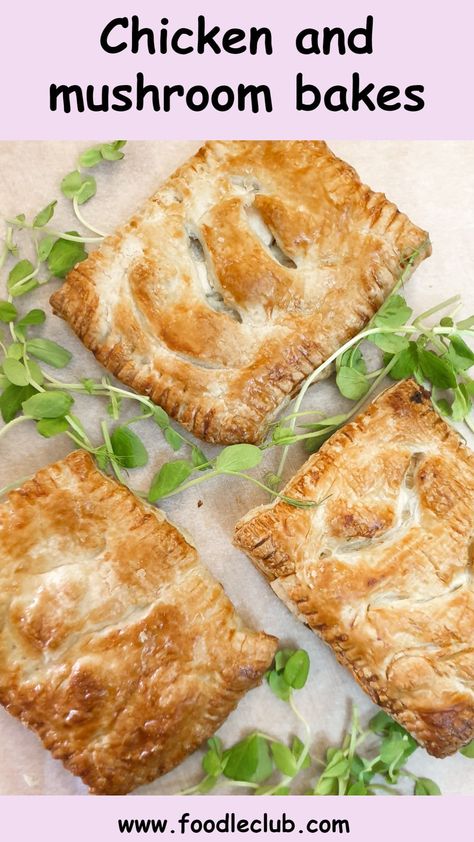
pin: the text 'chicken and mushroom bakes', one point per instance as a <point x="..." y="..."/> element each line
<point x="117" y="647"/>
<point x="251" y="265"/>
<point x="381" y="569"/>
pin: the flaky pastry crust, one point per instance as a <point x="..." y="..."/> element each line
<point x="250" y="266"/>
<point x="117" y="647"/>
<point x="382" y="568"/>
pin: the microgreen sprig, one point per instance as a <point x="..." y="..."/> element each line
<point x="266" y="766"/>
<point x="255" y="761"/>
<point x="435" y="355"/>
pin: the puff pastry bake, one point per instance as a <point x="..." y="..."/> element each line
<point x="249" y="267"/>
<point x="117" y="647"/>
<point x="382" y="569"/>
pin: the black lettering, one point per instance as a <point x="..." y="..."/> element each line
<point x="360" y="95"/>
<point x="104" y="37"/>
<point x="324" y="826"/>
<point x="168" y="92"/>
<point x="288" y="824"/>
<point x="255" y="35"/>
<point x="305" y="89"/>
<point x="203" y="93"/>
<point x="366" y="33"/>
<point x="311" y="35"/>
<point x="103" y="105"/>
<point x="164" y="36"/>
<point x="385" y="95"/>
<point x="411" y="94"/>
<point x="175" y="45"/>
<point x="340" y="826"/>
<point x="228" y="93"/>
<point x="143" y="91"/>
<point x="207" y="39"/>
<point x="119" y="94"/>
<point x="328" y="35"/>
<point x="254" y="91"/>
<point x="231" y="37"/>
<point x="339" y="93"/>
<point x="66" y="92"/>
<point x="138" y="34"/>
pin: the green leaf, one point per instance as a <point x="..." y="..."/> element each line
<point x="437" y="370"/>
<point x="64" y="255"/>
<point x="44" y="247"/>
<point x="42" y="218"/>
<point x="282" y="657"/>
<point x="15" y="351"/>
<point x="173" y="438"/>
<point x="443" y="406"/>
<point x="297" y="669"/>
<point x="282" y="435"/>
<point x="461" y="405"/>
<point x="465" y="324"/>
<point x="49" y="427"/>
<point x="357" y="788"/>
<point x="351" y="383"/>
<point x="337" y="766"/>
<point x="381" y="723"/>
<point x="90" y="157"/>
<point x="16" y="283"/>
<point x="34" y="317"/>
<point x="212" y="761"/>
<point x="297" y="748"/>
<point x="284" y="759"/>
<point x="326" y="786"/>
<point x="238" y="457"/>
<point x="391" y="343"/>
<point x="170" y="476"/>
<point x="112" y="151"/>
<point x="353" y="359"/>
<point x="425" y="786"/>
<point x="459" y="354"/>
<point x="49" y="352"/>
<point x="48" y="405"/>
<point x="34" y="373"/>
<point x="395" y="312"/>
<point x="128" y="448"/>
<point x="12" y="399"/>
<point x="468" y="750"/>
<point x="15" y="371"/>
<point x="71" y="183"/>
<point x="160" y="417"/>
<point x="407" y="361"/>
<point x="278" y="685"/>
<point x="87" y="190"/>
<point x="8" y="312"/>
<point x="198" y="458"/>
<point x="249" y="760"/>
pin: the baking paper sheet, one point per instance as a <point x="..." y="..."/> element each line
<point x="433" y="183"/>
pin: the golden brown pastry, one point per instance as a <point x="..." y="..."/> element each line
<point x="117" y="647"/>
<point x="382" y="568"/>
<point x="250" y="266"/>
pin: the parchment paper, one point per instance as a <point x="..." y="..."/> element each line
<point x="433" y="183"/>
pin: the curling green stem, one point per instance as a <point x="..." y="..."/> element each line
<point x="60" y="234"/>
<point x="83" y="222"/>
<point x="14" y="423"/>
